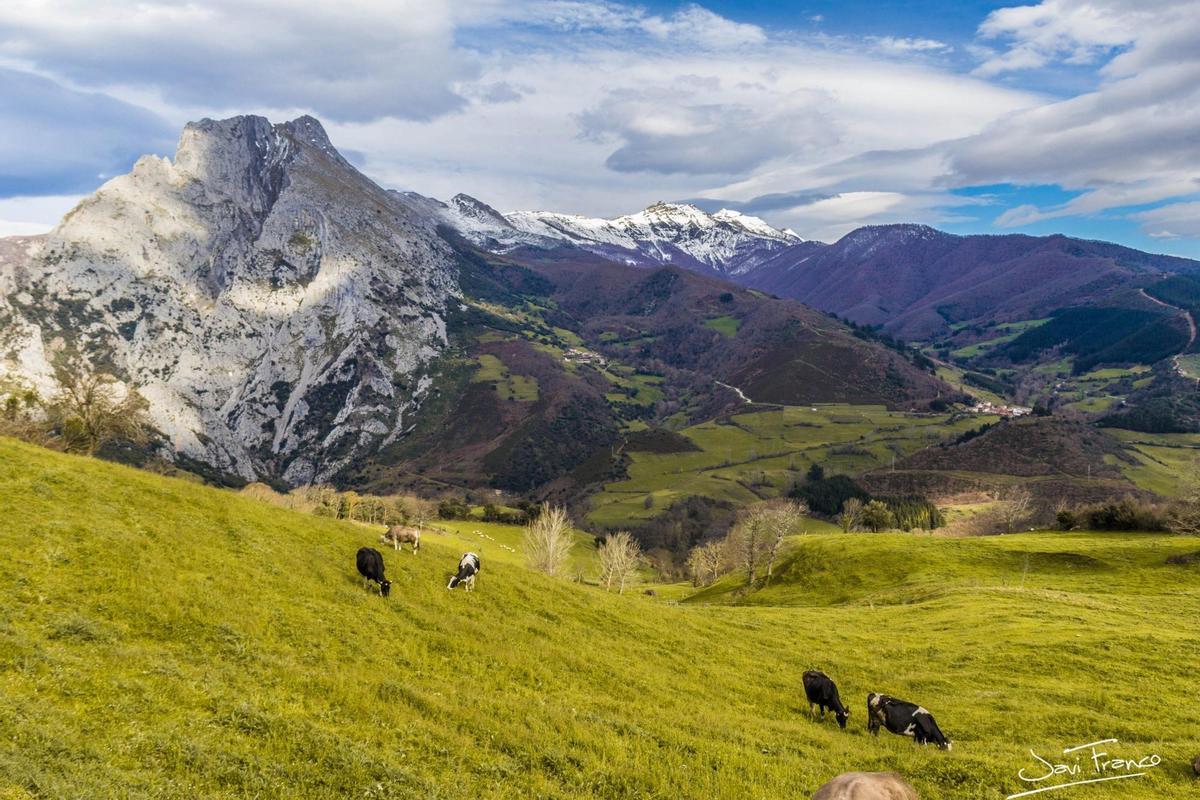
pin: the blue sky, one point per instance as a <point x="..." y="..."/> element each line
<point x="1072" y="116"/>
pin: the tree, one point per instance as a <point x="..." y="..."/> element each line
<point x="620" y="555"/>
<point x="780" y="519"/>
<point x="705" y="562"/>
<point x="876" y="516"/>
<point x="92" y="409"/>
<point x="1013" y="506"/>
<point x="548" y="540"/>
<point x="756" y="539"/>
<point x="851" y="515"/>
<point x="747" y="544"/>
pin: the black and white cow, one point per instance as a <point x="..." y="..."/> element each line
<point x="370" y="566"/>
<point x="468" y="568"/>
<point x="822" y="693"/>
<point x="904" y="719"/>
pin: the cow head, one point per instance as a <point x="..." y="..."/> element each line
<point x="841" y="718"/>
<point x="385" y="587"/>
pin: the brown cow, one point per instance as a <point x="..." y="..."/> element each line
<point x="867" y="786"/>
<point x="398" y="535"/>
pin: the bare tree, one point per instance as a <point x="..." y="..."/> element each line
<point x="705" y="562"/>
<point x="780" y="519"/>
<point x="91" y="410"/>
<point x="620" y="555"/>
<point x="548" y="540"/>
<point x="756" y="539"/>
<point x="1013" y="506"/>
<point x="851" y="515"/>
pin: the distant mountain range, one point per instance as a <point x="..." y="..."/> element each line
<point x="726" y="243"/>
<point x="289" y="320"/>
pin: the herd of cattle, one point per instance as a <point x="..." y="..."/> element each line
<point x="896" y="716"/>
<point x="370" y="561"/>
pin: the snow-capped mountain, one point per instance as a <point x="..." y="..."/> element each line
<point x="724" y="243"/>
<point x="277" y="309"/>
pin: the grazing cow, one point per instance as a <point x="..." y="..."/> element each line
<point x="866" y="786"/>
<point x="904" y="719"/>
<point x="399" y="535"/>
<point x="370" y="566"/>
<point x="822" y="693"/>
<point x="468" y="568"/>
<point x="1196" y="766"/>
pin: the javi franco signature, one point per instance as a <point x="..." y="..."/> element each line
<point x="1089" y="764"/>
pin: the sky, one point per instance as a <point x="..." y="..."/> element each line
<point x="1072" y="116"/>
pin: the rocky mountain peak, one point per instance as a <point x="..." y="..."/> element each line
<point x="277" y="308"/>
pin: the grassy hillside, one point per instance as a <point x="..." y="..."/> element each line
<point x="163" y="639"/>
<point x="762" y="452"/>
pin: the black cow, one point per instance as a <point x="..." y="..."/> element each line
<point x="822" y="693"/>
<point x="370" y="566"/>
<point x="468" y="568"/>
<point x="904" y="719"/>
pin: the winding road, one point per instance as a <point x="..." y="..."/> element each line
<point x="1191" y="321"/>
<point x="740" y="393"/>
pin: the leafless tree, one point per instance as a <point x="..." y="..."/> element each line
<point x="91" y="410"/>
<point x="705" y="562"/>
<point x="548" y="540"/>
<point x="755" y="541"/>
<point x="620" y="555"/>
<point x="1014" y="505"/>
<point x="851" y="516"/>
<point x="780" y="519"/>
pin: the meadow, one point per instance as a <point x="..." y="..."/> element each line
<point x="761" y="453"/>
<point x="163" y="639"/>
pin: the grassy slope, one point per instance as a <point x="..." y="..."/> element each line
<point x="765" y="452"/>
<point x="163" y="639"/>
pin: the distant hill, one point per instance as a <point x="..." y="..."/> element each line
<point x="557" y="354"/>
<point x="916" y="282"/>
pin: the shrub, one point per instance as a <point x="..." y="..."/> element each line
<point x="1126" y="514"/>
<point x="876" y="516"/>
<point x="453" y="508"/>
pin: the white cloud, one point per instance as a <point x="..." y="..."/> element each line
<point x="1074" y="31"/>
<point x="350" y="60"/>
<point x="892" y="44"/>
<point x="595" y="122"/>
<point x="1174" y="221"/>
<point x="25" y="216"/>
<point x="1131" y="141"/>
<point x="57" y="139"/>
<point x="701" y="26"/>
<point x="599" y="107"/>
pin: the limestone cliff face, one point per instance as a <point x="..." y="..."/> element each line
<point x="277" y="308"/>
